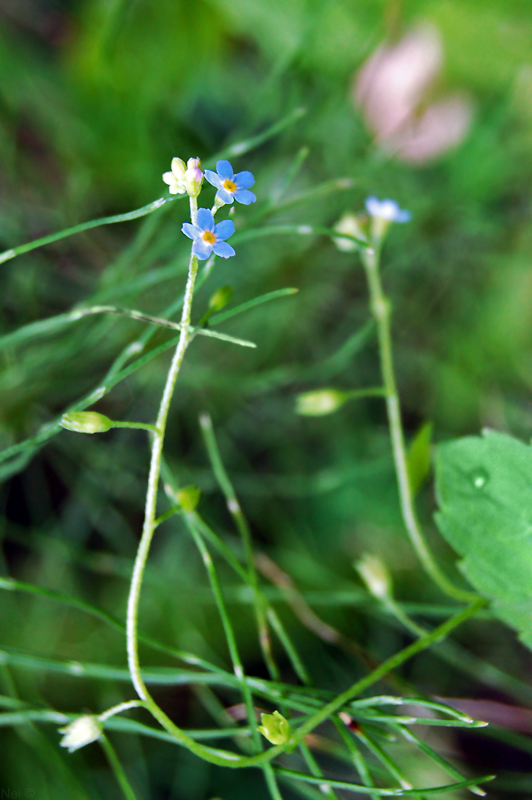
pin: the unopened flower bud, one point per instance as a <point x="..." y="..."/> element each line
<point x="275" y="728"/>
<point x="375" y="575"/>
<point x="221" y="298"/>
<point x="188" y="498"/>
<point x="317" y="404"/>
<point x="349" y="224"/>
<point x="86" y="422"/>
<point x="193" y="177"/>
<point x="80" y="732"/>
<point x="176" y="177"/>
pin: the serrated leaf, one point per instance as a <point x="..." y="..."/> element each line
<point x="484" y="488"/>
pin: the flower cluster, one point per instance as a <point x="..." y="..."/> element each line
<point x="381" y="213"/>
<point x="188" y="179"/>
<point x="184" y="179"/>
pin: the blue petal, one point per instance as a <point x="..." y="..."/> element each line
<point x="205" y="219"/>
<point x="223" y="249"/>
<point x="373" y="206"/>
<point x="403" y="216"/>
<point x="225" y="196"/>
<point x="245" y="197"/>
<point x="225" y="229"/>
<point x="244" y="179"/>
<point x="190" y="230"/>
<point x="213" y="178"/>
<point x="201" y="249"/>
<point x="225" y="170"/>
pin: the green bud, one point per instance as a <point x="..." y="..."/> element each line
<point x="275" y="728"/>
<point x="188" y="498"/>
<point x="317" y="404"/>
<point x="221" y="298"/>
<point x="375" y="575"/>
<point x="86" y="422"/>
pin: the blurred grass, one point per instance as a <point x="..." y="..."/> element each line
<point x="95" y="99"/>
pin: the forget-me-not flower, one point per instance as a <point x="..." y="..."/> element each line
<point x="387" y="210"/>
<point x="208" y="237"/>
<point x="231" y="187"/>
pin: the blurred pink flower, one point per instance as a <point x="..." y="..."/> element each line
<point x="391" y="89"/>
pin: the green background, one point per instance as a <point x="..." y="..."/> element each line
<point x="95" y="100"/>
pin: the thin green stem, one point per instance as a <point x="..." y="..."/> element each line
<point x="242" y="527"/>
<point x="117" y="768"/>
<point x="381" y="310"/>
<point x="358" y="759"/>
<point x="291" y="652"/>
<point x="111" y="712"/>
<point x="263" y="611"/>
<point x="353" y="787"/>
<point x="141" y="426"/>
<point x="382" y="756"/>
<point x="84" y="226"/>
<point x="390" y="664"/>
<point x="238" y="667"/>
<point x="153" y="480"/>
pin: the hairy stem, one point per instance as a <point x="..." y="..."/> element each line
<point x="153" y="480"/>
<point x="381" y="310"/>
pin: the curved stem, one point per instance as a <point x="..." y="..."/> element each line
<point x="153" y="480"/>
<point x="111" y="712"/>
<point x="381" y="310"/>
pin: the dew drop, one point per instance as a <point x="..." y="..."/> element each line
<point x="479" y="478"/>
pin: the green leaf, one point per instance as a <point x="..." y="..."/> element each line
<point x="484" y="487"/>
<point x="418" y="458"/>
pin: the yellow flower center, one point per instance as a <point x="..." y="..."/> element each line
<point x="209" y="237"/>
<point x="230" y="186"/>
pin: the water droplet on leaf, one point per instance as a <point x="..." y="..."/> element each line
<point x="479" y="478"/>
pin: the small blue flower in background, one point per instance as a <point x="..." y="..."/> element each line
<point x="231" y="187"/>
<point x="208" y="237"/>
<point x="387" y="210"/>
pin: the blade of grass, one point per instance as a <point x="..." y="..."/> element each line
<point x="85" y="226"/>
<point x="353" y="787"/>
<point x="117" y="768"/>
<point x="47" y="326"/>
<point x="238" y="667"/>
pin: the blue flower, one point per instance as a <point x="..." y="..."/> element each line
<point x="386" y="210"/>
<point x="208" y="237"/>
<point x="231" y="187"/>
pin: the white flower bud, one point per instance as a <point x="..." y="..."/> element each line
<point x="349" y="224"/>
<point x="80" y="732"/>
<point x="176" y="178"/>
<point x="375" y="575"/>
